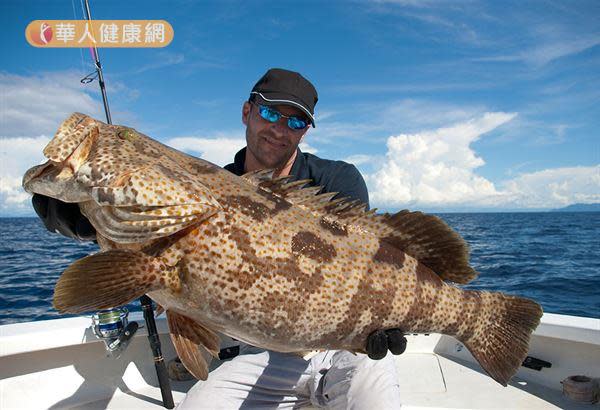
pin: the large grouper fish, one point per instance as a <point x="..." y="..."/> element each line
<point x="266" y="261"/>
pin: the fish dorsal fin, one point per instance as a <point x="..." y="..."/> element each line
<point x="427" y="238"/>
<point x="280" y="186"/>
<point x="284" y="187"/>
<point x="256" y="177"/>
<point x="431" y="241"/>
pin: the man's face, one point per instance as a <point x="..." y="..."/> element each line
<point x="271" y="144"/>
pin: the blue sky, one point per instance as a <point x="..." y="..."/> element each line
<point x="443" y="106"/>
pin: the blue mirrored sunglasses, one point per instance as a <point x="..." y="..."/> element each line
<point x="271" y="115"/>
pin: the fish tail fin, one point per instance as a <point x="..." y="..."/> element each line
<point x="110" y="279"/>
<point x="499" y="337"/>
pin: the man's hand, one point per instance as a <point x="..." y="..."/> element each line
<point x="63" y="218"/>
<point x="380" y="341"/>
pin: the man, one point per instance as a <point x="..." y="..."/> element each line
<point x="277" y="116"/>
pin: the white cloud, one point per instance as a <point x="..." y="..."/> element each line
<point x="554" y="187"/>
<point x="386" y="117"/>
<point x="220" y="150"/>
<point x="558" y="45"/>
<point x="429" y="169"/>
<point x="542" y="54"/>
<point x="359" y="159"/>
<point x="304" y="147"/>
<point x="17" y="155"/>
<point x="435" y="168"/>
<point x="35" y="105"/>
<point x="162" y="59"/>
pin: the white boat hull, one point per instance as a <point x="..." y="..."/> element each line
<point x="61" y="364"/>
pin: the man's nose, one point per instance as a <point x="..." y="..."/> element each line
<point x="281" y="127"/>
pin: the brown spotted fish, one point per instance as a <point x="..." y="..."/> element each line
<point x="263" y="260"/>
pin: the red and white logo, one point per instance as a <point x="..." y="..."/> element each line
<point x="41" y="35"/>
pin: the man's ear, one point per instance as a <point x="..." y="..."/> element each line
<point x="246" y="112"/>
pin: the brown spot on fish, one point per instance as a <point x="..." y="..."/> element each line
<point x="423" y="305"/>
<point x="246" y="278"/>
<point x="389" y="254"/>
<point x="451" y="329"/>
<point x="273" y="186"/>
<point x="471" y="306"/>
<point x="367" y="297"/>
<point x="248" y="207"/>
<point x="270" y="307"/>
<point x="106" y="195"/>
<point x="426" y="275"/>
<point x="204" y="168"/>
<point x="310" y="245"/>
<point x="333" y="226"/>
<point x="280" y="203"/>
<point x="96" y="172"/>
<point x="305" y="282"/>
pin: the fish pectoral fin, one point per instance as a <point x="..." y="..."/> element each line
<point x="112" y="278"/>
<point x="155" y="185"/>
<point x="159" y="310"/>
<point x="131" y="225"/>
<point x="149" y="203"/>
<point x="193" y="342"/>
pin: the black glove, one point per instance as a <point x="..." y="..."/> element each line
<point x="380" y="341"/>
<point x="63" y="218"/>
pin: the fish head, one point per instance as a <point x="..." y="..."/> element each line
<point x="130" y="187"/>
<point x="87" y="153"/>
<point x="66" y="153"/>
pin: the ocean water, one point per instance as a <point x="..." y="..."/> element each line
<point x="553" y="258"/>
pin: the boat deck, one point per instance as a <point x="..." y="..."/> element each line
<point x="60" y="364"/>
<point x="428" y="381"/>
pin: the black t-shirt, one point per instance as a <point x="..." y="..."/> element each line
<point x="333" y="176"/>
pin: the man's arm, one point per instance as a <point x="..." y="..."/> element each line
<point x="346" y="180"/>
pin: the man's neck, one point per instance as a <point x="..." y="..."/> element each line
<point x="252" y="164"/>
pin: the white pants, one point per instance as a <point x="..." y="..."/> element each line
<point x="269" y="380"/>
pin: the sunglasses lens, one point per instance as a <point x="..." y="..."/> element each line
<point x="269" y="114"/>
<point x="272" y="115"/>
<point x="296" y="123"/>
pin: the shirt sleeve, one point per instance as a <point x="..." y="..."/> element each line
<point x="347" y="181"/>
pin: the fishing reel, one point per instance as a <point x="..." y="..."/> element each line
<point x="113" y="328"/>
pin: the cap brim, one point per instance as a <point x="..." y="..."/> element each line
<point x="284" y="99"/>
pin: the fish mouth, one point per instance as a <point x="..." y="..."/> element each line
<point x="36" y="172"/>
<point x="55" y="181"/>
<point x="67" y="152"/>
<point x="52" y="180"/>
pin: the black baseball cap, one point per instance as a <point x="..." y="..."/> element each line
<point x="285" y="87"/>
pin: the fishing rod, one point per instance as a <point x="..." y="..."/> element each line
<point x="99" y="73"/>
<point x="145" y="301"/>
